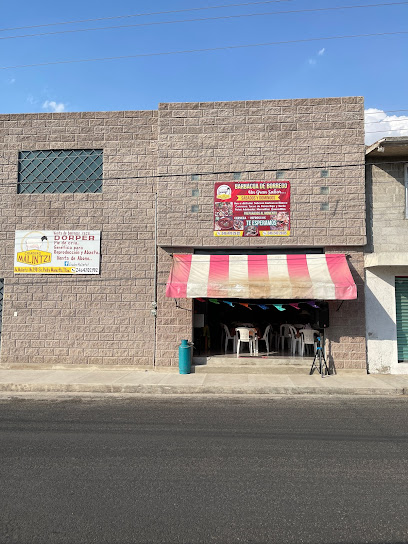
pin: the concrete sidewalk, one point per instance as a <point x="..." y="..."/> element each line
<point x="150" y="382"/>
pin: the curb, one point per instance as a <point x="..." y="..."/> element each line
<point x="199" y="390"/>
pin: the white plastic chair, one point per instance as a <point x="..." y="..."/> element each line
<point x="308" y="339"/>
<point x="296" y="345"/>
<point x="285" y="334"/>
<point x="265" y="338"/>
<point x="228" y="337"/>
<point x="254" y="335"/>
<point x="288" y="333"/>
<point x="244" y="336"/>
<point x="274" y="339"/>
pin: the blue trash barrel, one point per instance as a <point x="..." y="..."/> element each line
<point x="184" y="357"/>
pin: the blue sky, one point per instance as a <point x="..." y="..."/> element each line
<point x="374" y="67"/>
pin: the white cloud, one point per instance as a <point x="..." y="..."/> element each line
<point x="31" y="100"/>
<point x="313" y="60"/>
<point x="380" y="125"/>
<point x="53" y="106"/>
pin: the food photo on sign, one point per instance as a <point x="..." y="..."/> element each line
<point x="252" y="208"/>
<point x="224" y="215"/>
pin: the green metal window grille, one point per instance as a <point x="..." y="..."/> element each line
<point x="61" y="171"/>
<point x="1" y="303"/>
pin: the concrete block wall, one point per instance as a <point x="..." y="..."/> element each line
<point x="102" y="319"/>
<point x="174" y="317"/>
<point x="387" y="225"/>
<point x="345" y="338"/>
<point x="257" y="138"/>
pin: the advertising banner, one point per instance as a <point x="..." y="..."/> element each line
<point x="57" y="252"/>
<point x="252" y="208"/>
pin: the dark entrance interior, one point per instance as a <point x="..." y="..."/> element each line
<point x="209" y="317"/>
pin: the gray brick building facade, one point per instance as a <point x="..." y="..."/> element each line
<point x="177" y="153"/>
<point x="386" y="259"/>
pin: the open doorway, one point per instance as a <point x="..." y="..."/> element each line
<point x="210" y="316"/>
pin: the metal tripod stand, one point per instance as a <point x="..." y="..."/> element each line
<point x="319" y="360"/>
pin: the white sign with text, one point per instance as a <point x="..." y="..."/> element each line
<point x="57" y="252"/>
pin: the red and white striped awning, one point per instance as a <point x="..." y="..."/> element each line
<point x="322" y="277"/>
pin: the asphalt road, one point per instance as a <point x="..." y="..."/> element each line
<point x="204" y="470"/>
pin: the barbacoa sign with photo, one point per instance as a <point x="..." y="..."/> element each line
<point x="252" y="208"/>
<point x="57" y="252"/>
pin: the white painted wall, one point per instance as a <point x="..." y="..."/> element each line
<point x="381" y="329"/>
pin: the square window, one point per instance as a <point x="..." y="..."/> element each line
<point x="280" y="174"/>
<point x="324" y="190"/>
<point x="195" y="208"/>
<point x="237" y="175"/>
<point x="195" y="177"/>
<point x="195" y="192"/>
<point x="60" y="171"/>
<point x="324" y="207"/>
<point x="324" y="173"/>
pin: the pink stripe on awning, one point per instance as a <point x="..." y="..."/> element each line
<point x="297" y="266"/>
<point x="301" y="282"/>
<point x="218" y="276"/>
<point x="258" y="275"/>
<point x="340" y="273"/>
<point x="180" y="271"/>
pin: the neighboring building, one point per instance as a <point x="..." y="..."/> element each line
<point x="386" y="259"/>
<point x="105" y="171"/>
